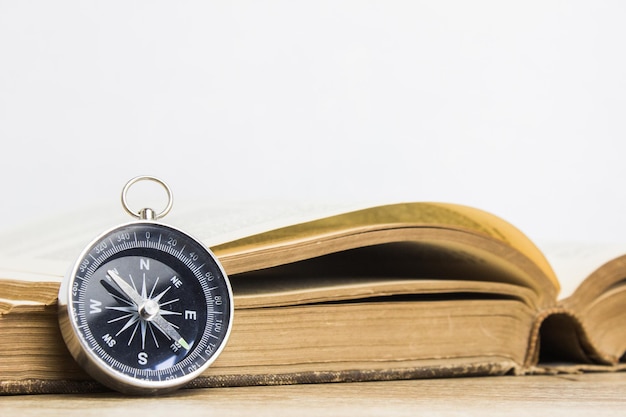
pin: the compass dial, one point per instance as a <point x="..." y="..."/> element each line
<point x="146" y="308"/>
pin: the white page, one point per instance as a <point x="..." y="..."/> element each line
<point x="48" y="247"/>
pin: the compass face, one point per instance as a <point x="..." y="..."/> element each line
<point x="146" y="308"/>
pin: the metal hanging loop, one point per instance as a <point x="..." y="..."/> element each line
<point x="147" y="213"/>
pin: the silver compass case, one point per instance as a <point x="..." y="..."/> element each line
<point x="146" y="307"/>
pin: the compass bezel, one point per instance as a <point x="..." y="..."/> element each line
<point x="93" y="363"/>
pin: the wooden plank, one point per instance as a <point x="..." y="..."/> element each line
<point x="562" y="395"/>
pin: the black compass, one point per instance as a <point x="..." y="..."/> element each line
<point x="146" y="308"/>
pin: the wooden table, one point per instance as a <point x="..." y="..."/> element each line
<point x="571" y="395"/>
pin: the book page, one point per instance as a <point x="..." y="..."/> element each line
<point x="573" y="262"/>
<point x="47" y="247"/>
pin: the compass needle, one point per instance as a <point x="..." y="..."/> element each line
<point x="183" y="343"/>
<point x="169" y="330"/>
<point x="129" y="291"/>
<point x="125" y="301"/>
<point x="133" y="331"/>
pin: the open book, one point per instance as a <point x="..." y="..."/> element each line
<point x="389" y="292"/>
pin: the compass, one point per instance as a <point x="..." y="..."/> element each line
<point x="146" y="307"/>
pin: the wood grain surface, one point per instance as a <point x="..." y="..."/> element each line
<point x="560" y="395"/>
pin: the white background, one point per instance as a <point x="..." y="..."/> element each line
<point x="518" y="108"/>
